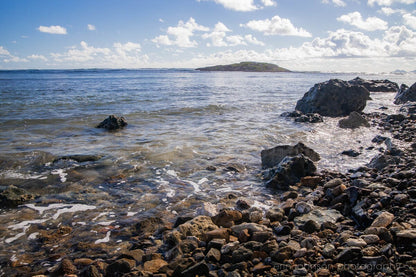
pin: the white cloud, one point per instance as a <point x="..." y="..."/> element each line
<point x="37" y="57"/>
<point x="370" y="24"/>
<point x="410" y="20"/>
<point x="181" y="34"/>
<point x="276" y="26"/>
<point x="56" y="29"/>
<point x="389" y="11"/>
<point x="91" y="27"/>
<point x="217" y="35"/>
<point x="253" y="40"/>
<point x="237" y="5"/>
<point x="389" y="2"/>
<point x="338" y="3"/>
<point x="269" y="3"/>
<point x="8" y="57"/>
<point x="125" y="55"/>
<point x="4" y="52"/>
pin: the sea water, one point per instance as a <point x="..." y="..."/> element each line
<point x="192" y="138"/>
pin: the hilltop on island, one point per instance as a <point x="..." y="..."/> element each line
<point x="246" y="67"/>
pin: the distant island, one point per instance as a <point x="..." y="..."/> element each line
<point x="246" y="67"/>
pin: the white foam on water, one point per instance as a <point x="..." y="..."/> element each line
<point x="61" y="208"/>
<point x="172" y="173"/>
<point x="170" y="193"/>
<point x="106" y="223"/>
<point x="62" y="174"/>
<point x="203" y="180"/>
<point x="24" y="225"/>
<point x="105" y="239"/>
<point x="195" y="185"/>
<point x="10" y="174"/>
<point x="131" y="213"/>
<point x="33" y="236"/>
<point x="99" y="215"/>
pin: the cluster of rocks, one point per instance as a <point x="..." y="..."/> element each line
<point x="358" y="223"/>
<point x="113" y="122"/>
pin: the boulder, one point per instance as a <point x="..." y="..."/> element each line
<point x="290" y="171"/>
<point x="12" y="196"/>
<point x="405" y="94"/>
<point x="113" y="123"/>
<point x="320" y="216"/>
<point x="334" y="98"/>
<point x="272" y="157"/>
<point x="376" y="85"/>
<point x="354" y="120"/>
<point x="197" y="227"/>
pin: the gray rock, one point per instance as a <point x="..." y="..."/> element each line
<point x="376" y="85"/>
<point x="289" y="172"/>
<point x="272" y="157"/>
<point x="405" y="95"/>
<point x="407" y="234"/>
<point x="320" y="216"/>
<point x="251" y="227"/>
<point x="349" y="254"/>
<point x="334" y="98"/>
<point x="329" y="250"/>
<point x="113" y="123"/>
<point x="354" y="120"/>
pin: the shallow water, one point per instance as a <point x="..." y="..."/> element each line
<point x="180" y="123"/>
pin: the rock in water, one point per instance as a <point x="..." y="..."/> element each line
<point x="289" y="171"/>
<point x="272" y="157"/>
<point x="405" y="94"/>
<point x="13" y="196"/>
<point x="334" y="98"/>
<point x="113" y="123"/>
<point x="376" y="85"/>
<point x="354" y="120"/>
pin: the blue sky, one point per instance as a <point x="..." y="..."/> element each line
<point x="322" y="35"/>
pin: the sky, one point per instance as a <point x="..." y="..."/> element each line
<point x="301" y="35"/>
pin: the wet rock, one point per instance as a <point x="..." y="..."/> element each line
<point x="113" y="123"/>
<point x="65" y="268"/>
<point x="334" y="98"/>
<point x="242" y="254"/>
<point x="329" y="250"/>
<point x="272" y="157"/>
<point x="376" y="85"/>
<point x="303" y="207"/>
<point x="213" y="255"/>
<point x="405" y="95"/>
<point x="333" y="183"/>
<point x="153" y="266"/>
<point x="80" y="158"/>
<point x="251" y="227"/>
<point x="356" y="242"/>
<point x="289" y="171"/>
<point x="119" y="267"/>
<point x="353" y="121"/>
<point x="227" y="218"/>
<point x="349" y="254"/>
<point x="319" y="215"/>
<point x="197" y="227"/>
<point x="383" y="220"/>
<point x="255" y="216"/>
<point x="207" y="209"/>
<point x="310" y="226"/>
<point x="150" y="226"/>
<point x="275" y="214"/>
<point x="351" y="153"/>
<point x="310" y="118"/>
<point x="12" y="196"/>
<point x="378" y="139"/>
<point x="136" y="254"/>
<point x="310" y="181"/>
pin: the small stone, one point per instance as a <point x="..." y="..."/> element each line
<point x="303" y="207"/>
<point x="213" y="255"/>
<point x="370" y="239"/>
<point x="199" y="269"/>
<point x="282" y="254"/>
<point x="323" y="272"/>
<point x="154" y="265"/>
<point x="333" y="183"/>
<point x="216" y="243"/>
<point x="349" y="254"/>
<point x="260" y="268"/>
<point x="255" y="216"/>
<point x="261" y="236"/>
<point x="244" y="236"/>
<point x="300" y="271"/>
<point x="329" y="250"/>
<point x="120" y="266"/>
<point x="383" y="220"/>
<point x="227" y="218"/>
<point x="308" y="243"/>
<point x="66" y="267"/>
<point x="241" y="254"/>
<point x="311" y="181"/>
<point x="407" y="234"/>
<point x="275" y="214"/>
<point x="221" y="233"/>
<point x="311" y="226"/>
<point x="356" y="242"/>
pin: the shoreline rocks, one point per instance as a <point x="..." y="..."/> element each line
<point x="334" y="98"/>
<point x="112" y="123"/>
<point x="405" y="94"/>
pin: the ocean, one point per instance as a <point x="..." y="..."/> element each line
<point x="192" y="138"/>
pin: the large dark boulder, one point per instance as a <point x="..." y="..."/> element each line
<point x="289" y="172"/>
<point x="354" y="120"/>
<point x="272" y="157"/>
<point x="334" y="98"/>
<point x="405" y="94"/>
<point x="113" y="123"/>
<point x="376" y="85"/>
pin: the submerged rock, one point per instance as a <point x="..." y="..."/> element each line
<point x="290" y="171"/>
<point x="113" y="123"/>
<point x="376" y="85"/>
<point x="354" y="120"/>
<point x="272" y="157"/>
<point x="405" y="94"/>
<point x="12" y="196"/>
<point x="334" y="98"/>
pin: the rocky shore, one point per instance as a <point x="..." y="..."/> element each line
<point x="358" y="223"/>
